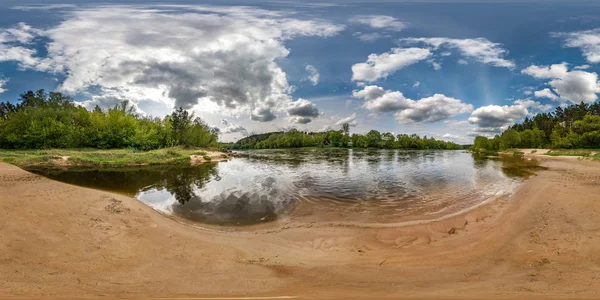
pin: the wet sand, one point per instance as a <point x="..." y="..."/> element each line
<point x="59" y="240"/>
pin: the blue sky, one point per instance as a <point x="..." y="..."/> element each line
<point x="446" y="69"/>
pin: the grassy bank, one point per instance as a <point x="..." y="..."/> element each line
<point x="586" y="153"/>
<point x="108" y="158"/>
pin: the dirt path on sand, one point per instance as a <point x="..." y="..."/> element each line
<point x="62" y="240"/>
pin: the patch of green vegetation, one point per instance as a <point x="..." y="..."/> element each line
<point x="207" y="158"/>
<point x="485" y="152"/>
<point x="571" y="152"/>
<point x="533" y="151"/>
<point x="98" y="158"/>
<point x="517" y="153"/>
<point x="52" y="120"/>
<point x="202" y="153"/>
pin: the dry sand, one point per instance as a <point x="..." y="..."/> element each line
<point x="59" y="240"/>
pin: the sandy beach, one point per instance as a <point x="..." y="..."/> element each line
<point x="59" y="240"/>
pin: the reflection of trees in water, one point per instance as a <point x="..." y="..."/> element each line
<point x="480" y="161"/>
<point x="511" y="166"/>
<point x="183" y="182"/>
<point x="178" y="180"/>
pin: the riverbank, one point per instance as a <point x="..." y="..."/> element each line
<point x="61" y="240"/>
<point x="109" y="158"/>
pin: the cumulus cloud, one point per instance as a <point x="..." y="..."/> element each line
<point x="493" y="119"/>
<point x="416" y="84"/>
<point x="233" y="128"/>
<point x="582" y="67"/>
<point x="180" y="55"/>
<point x="262" y="114"/>
<point x="382" y="65"/>
<point x="431" y="109"/>
<point x="575" y="86"/>
<point x="379" y="22"/>
<point x="3" y="82"/>
<point x="313" y="74"/>
<point x="302" y="111"/>
<point x="588" y="41"/>
<point x="545" y="93"/>
<point x="532" y="105"/>
<point x="303" y="108"/>
<point x="480" y="49"/>
<point x="300" y="120"/>
<point x="351" y="120"/>
<point x="379" y="100"/>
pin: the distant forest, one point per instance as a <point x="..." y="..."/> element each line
<point x="341" y="138"/>
<point x="574" y="126"/>
<point x="51" y="120"/>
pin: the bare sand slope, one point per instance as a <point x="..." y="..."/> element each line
<point x="61" y="240"/>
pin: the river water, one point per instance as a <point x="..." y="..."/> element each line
<point x="334" y="185"/>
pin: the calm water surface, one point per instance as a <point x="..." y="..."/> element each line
<point x="368" y="186"/>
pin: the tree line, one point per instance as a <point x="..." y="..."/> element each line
<point x="574" y="126"/>
<point x="43" y="120"/>
<point x="341" y="138"/>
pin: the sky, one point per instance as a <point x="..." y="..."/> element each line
<point x="446" y="69"/>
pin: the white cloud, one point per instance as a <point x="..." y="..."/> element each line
<point x="385" y="64"/>
<point x="379" y="22"/>
<point x="479" y="49"/>
<point x="370" y="37"/>
<point x="313" y="74"/>
<point x="533" y="105"/>
<point x="14" y="42"/>
<point x="300" y="120"/>
<point x="431" y="109"/>
<point x="3" y="82"/>
<point x="379" y="100"/>
<point x="233" y="128"/>
<point x="337" y="123"/>
<point x="179" y="55"/>
<point x="302" y="111"/>
<point x="462" y="62"/>
<point x="575" y="86"/>
<point x="545" y="93"/>
<point x="582" y="67"/>
<point x="588" y="41"/>
<point x="351" y="120"/>
<point x="416" y="84"/>
<point x="436" y="65"/>
<point x="493" y="119"/>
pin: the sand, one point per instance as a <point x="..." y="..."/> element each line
<point x="59" y="240"/>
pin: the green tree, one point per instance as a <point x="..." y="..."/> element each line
<point x="374" y="138"/>
<point x="346" y="129"/>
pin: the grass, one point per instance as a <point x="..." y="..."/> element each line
<point x="572" y="152"/>
<point x="98" y="158"/>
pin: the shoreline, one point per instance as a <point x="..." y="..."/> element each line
<point x="111" y="158"/>
<point x="53" y="244"/>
